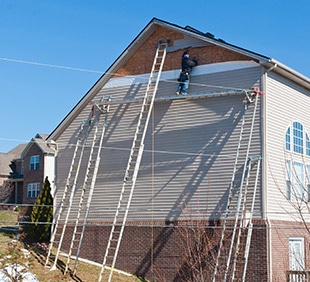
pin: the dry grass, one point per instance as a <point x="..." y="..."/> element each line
<point x="85" y="271"/>
<point x="8" y="218"/>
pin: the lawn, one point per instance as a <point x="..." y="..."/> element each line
<point x="85" y="271"/>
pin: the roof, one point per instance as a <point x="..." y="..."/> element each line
<point x="40" y="141"/>
<point x="265" y="61"/>
<point x="7" y="158"/>
<point x="17" y="150"/>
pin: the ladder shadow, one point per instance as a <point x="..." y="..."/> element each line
<point x="219" y="139"/>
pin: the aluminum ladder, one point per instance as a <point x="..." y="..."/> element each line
<point x="239" y="224"/>
<point x="89" y="182"/>
<point x="236" y="202"/>
<point x="70" y="189"/>
<point x="239" y="228"/>
<point x="134" y="161"/>
<point x="250" y="224"/>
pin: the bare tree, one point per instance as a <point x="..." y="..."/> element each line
<point x="198" y="239"/>
<point x="6" y="191"/>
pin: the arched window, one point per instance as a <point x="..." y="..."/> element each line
<point x="297" y="140"/>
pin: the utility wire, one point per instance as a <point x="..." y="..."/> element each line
<point x="232" y="155"/>
<point x="48" y="65"/>
<point x="110" y="73"/>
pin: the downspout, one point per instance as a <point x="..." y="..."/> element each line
<point x="269" y="248"/>
<point x="264" y="196"/>
<point x="275" y="65"/>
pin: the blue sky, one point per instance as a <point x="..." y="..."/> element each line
<point x="83" y="38"/>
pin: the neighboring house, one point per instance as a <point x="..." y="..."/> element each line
<point x="25" y="168"/>
<point x="39" y="162"/>
<point x="193" y="159"/>
<point x="11" y="170"/>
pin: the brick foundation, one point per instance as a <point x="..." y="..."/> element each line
<point x="156" y="253"/>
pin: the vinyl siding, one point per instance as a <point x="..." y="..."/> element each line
<point x="189" y="153"/>
<point x="49" y="170"/>
<point x="285" y="103"/>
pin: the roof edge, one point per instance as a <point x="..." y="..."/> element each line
<point x="278" y="67"/>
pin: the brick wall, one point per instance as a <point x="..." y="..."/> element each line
<point x="281" y="231"/>
<point x="156" y="254"/>
<point x="32" y="176"/>
<point x="141" y="62"/>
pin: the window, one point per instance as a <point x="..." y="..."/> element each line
<point x="297" y="166"/>
<point x="297" y="181"/>
<point x="288" y="139"/>
<point x="34" y="162"/>
<point x="308" y="182"/>
<point x="296" y="253"/>
<point x="307" y="145"/>
<point x="22" y="167"/>
<point x="297" y="140"/>
<point x="288" y="179"/>
<point x="33" y="190"/>
<point x="298" y="137"/>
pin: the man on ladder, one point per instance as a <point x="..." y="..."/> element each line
<point x="187" y="66"/>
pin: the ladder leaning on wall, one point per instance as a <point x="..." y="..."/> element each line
<point x="134" y="161"/>
<point x="60" y="222"/>
<point x="238" y="235"/>
<point x="89" y="182"/>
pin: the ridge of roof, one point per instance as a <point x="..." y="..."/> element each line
<point x="211" y="38"/>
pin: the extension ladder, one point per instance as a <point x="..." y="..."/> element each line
<point x="250" y="224"/>
<point x="236" y="203"/>
<point x="133" y="165"/>
<point x="70" y="188"/>
<point x="89" y="182"/>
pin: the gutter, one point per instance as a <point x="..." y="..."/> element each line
<point x="274" y="65"/>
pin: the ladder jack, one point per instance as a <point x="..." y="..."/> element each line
<point x="236" y="203"/>
<point x="133" y="165"/>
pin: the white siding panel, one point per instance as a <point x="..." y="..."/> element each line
<point x="286" y="103"/>
<point x="49" y="170"/>
<point x="189" y="154"/>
